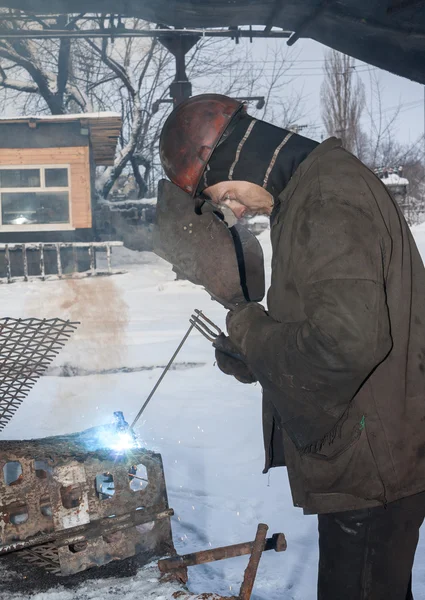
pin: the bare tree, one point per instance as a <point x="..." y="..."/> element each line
<point x="131" y="76"/>
<point x="41" y="68"/>
<point x="342" y="99"/>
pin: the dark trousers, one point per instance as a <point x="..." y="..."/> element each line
<point x="368" y="554"/>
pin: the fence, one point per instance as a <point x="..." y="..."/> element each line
<point x="72" y="272"/>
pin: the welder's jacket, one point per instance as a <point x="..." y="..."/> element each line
<point x="341" y="350"/>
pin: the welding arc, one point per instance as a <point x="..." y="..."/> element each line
<point x="164" y="372"/>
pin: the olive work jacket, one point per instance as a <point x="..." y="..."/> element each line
<point x="343" y="341"/>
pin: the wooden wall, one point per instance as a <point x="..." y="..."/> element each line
<point x="79" y="161"/>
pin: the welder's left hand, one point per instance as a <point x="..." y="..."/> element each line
<point x="239" y="320"/>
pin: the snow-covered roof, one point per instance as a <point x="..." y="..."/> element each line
<point x="104" y="127"/>
<point x="394" y="179"/>
<point x="125" y="203"/>
<point x="67" y="117"/>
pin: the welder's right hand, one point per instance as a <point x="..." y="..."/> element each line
<point x="231" y="362"/>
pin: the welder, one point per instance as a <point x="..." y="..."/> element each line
<point x="340" y="350"/>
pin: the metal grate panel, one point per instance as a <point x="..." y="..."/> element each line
<point x="45" y="556"/>
<point x="27" y="347"/>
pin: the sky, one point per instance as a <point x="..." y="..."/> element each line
<point x="306" y="74"/>
<point x="395" y="90"/>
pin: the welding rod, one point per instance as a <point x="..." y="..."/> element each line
<point x="164" y="372"/>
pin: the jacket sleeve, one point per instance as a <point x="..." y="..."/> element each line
<point x="339" y="265"/>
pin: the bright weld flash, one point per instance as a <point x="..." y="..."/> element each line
<point x="122" y="441"/>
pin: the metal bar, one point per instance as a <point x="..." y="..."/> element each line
<point x="25" y="260"/>
<point x="254" y="561"/>
<point x="92" y="259"/>
<point x="130" y="476"/>
<point x="164" y="372"/>
<point x="59" y="260"/>
<point x="304" y="25"/>
<point x="36" y="246"/>
<point x="108" y="257"/>
<point x="128" y="33"/>
<point x="7" y="261"/>
<point x="81" y="533"/>
<point x="42" y="266"/>
<point x="277" y="542"/>
<point x="69" y="276"/>
<point x="75" y="259"/>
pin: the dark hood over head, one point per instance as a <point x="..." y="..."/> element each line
<point x="256" y="151"/>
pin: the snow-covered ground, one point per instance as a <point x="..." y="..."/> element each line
<point x="206" y="425"/>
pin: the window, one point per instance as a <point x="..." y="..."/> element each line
<point x="34" y="198"/>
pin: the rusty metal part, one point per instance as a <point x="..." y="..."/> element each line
<point x="254" y="560"/>
<point x="45" y="556"/>
<point x="228" y="262"/>
<point x="277" y="542"/>
<point x="82" y="533"/>
<point x="27" y="347"/>
<point x="54" y="495"/>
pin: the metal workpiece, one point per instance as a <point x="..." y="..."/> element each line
<point x="69" y="503"/>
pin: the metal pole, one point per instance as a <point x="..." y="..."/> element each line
<point x="164" y="372"/>
<point x="7" y="261"/>
<point x="59" y="260"/>
<point x="25" y="259"/>
<point x="42" y="266"/>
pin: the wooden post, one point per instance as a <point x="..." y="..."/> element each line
<point x="42" y="267"/>
<point x="7" y="261"/>
<point x="25" y="260"/>
<point x="59" y="260"/>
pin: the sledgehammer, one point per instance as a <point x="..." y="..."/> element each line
<point x="277" y="542"/>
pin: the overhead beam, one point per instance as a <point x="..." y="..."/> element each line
<point x="126" y="33"/>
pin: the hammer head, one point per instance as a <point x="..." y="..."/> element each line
<point x="279" y="542"/>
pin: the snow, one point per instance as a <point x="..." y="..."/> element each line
<point x="67" y="117"/>
<point x="261" y="219"/>
<point x="124" y="203"/>
<point x="394" y="179"/>
<point x="206" y="425"/>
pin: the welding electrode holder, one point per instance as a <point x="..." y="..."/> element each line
<point x="213" y="334"/>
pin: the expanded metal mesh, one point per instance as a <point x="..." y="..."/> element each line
<point x="45" y="556"/>
<point x="27" y="347"/>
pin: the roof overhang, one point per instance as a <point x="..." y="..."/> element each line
<point x="389" y="34"/>
<point x="104" y="129"/>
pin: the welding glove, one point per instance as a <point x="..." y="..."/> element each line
<point x="239" y="321"/>
<point x="230" y="365"/>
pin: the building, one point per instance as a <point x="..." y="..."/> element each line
<point x="47" y="175"/>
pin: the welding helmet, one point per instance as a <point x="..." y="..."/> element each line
<point x="190" y="135"/>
